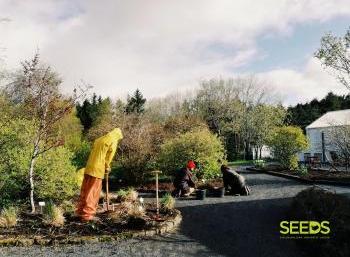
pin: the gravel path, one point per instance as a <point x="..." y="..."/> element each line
<point x="230" y="226"/>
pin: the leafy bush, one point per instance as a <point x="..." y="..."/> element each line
<point x="302" y="171"/>
<point x="8" y="217"/>
<point x="53" y="215"/>
<point x="167" y="202"/>
<point x="57" y="178"/>
<point x="285" y="143"/>
<point x="81" y="155"/>
<point x="200" y="145"/>
<point x="139" y="147"/>
<point x="259" y="163"/>
<point x="15" y="146"/>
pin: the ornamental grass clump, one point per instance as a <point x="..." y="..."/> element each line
<point x="8" y="217"/>
<point x="53" y="215"/>
<point x="167" y="202"/>
<point x="129" y="195"/>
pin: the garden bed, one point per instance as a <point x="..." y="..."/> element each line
<point x="312" y="176"/>
<point x="211" y="186"/>
<point x="30" y="228"/>
<point x="151" y="187"/>
<point x="129" y="216"/>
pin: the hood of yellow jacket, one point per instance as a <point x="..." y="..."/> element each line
<point x="115" y="134"/>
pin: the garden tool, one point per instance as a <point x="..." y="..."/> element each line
<point x="107" y="189"/>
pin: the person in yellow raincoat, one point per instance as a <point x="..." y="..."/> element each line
<point x="98" y="164"/>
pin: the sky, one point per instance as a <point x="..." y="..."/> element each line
<point x="167" y="46"/>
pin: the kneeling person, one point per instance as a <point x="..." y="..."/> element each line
<point x="233" y="182"/>
<point x="183" y="183"/>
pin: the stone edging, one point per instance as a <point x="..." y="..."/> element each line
<point x="166" y="226"/>
<point x="304" y="180"/>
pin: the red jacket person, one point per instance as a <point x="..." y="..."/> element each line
<point x="183" y="182"/>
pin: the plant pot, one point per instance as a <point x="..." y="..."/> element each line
<point x="200" y="194"/>
<point x="219" y="192"/>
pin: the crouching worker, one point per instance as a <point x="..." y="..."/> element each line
<point x="233" y="182"/>
<point x="98" y="164"/>
<point x="183" y="182"/>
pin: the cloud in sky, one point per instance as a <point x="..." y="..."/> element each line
<point x="160" y="45"/>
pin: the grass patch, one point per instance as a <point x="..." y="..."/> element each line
<point x="53" y="215"/>
<point x="241" y="163"/>
<point x="8" y="217"/>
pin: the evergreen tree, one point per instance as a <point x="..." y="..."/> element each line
<point x="91" y="110"/>
<point x="303" y="114"/>
<point x="135" y="103"/>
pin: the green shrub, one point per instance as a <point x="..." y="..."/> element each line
<point x="201" y="146"/>
<point x="302" y="171"/>
<point x="81" y="154"/>
<point x="8" y="217"/>
<point x="53" y="215"/>
<point x="57" y="179"/>
<point x="285" y="143"/>
<point x="259" y="163"/>
<point x="15" y="147"/>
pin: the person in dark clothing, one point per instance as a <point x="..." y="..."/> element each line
<point x="183" y="182"/>
<point x="234" y="182"/>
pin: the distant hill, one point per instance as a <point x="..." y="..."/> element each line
<point x="303" y="114"/>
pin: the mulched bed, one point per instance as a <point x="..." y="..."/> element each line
<point x="211" y="186"/>
<point x="313" y="174"/>
<point x="163" y="186"/>
<point x="31" y="226"/>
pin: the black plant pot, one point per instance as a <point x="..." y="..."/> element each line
<point x="220" y="192"/>
<point x="200" y="194"/>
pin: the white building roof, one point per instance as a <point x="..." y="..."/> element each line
<point x="330" y="119"/>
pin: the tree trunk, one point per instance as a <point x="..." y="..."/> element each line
<point x="31" y="181"/>
<point x="31" y="174"/>
<point x="256" y="150"/>
<point x="260" y="150"/>
<point x="247" y="154"/>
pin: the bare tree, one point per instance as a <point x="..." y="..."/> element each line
<point x="334" y="54"/>
<point x="338" y="141"/>
<point x="36" y="89"/>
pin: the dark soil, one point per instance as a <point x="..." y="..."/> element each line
<point x="322" y="175"/>
<point x="163" y="186"/>
<point x="313" y="174"/>
<point x="31" y="225"/>
<point x="211" y="186"/>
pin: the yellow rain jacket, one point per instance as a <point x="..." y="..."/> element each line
<point x="102" y="153"/>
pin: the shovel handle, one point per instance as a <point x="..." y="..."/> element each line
<point x="107" y="190"/>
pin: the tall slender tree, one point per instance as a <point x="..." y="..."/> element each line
<point x="36" y="89"/>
